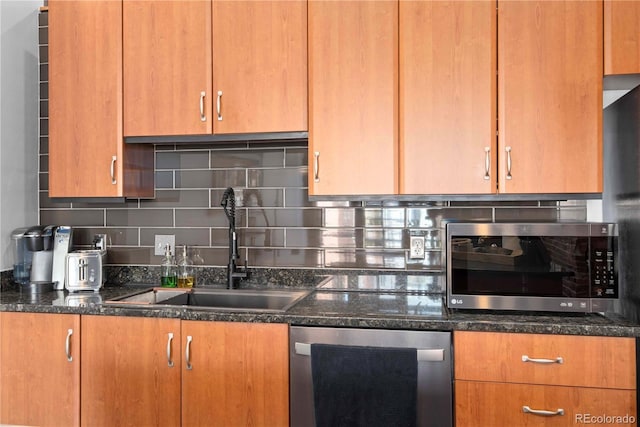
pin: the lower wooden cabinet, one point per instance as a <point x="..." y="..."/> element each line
<point x="237" y="374"/>
<point x="39" y="369"/>
<point x="130" y="371"/>
<point x="508" y="405"/>
<point x="511" y="379"/>
<point x="167" y="372"/>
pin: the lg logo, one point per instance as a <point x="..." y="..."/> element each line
<point x="455" y="301"/>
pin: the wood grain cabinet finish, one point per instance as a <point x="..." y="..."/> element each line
<point x="201" y="66"/>
<point x="259" y="66"/>
<point x="39" y="369"/>
<point x="550" y="96"/>
<point x="353" y="97"/>
<point x="621" y="37"/>
<point x="167" y="67"/>
<point x="501" y="405"/>
<point x="87" y="154"/>
<point x="237" y="374"/>
<point x="498" y="374"/>
<point x="127" y="379"/>
<point x="447" y="97"/>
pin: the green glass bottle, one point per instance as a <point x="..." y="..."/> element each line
<point x="168" y="278"/>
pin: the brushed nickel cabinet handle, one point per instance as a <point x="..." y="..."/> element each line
<point x="203" y="118"/>
<point x="508" y="150"/>
<point x="113" y="169"/>
<point x="169" y="340"/>
<point x="188" y="352"/>
<point x="487" y="163"/>
<point x="219" y="105"/>
<point x="528" y="410"/>
<point x="558" y="360"/>
<point x="316" y="166"/>
<point x="67" y="345"/>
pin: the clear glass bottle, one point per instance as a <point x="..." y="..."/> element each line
<point x="168" y="277"/>
<point x="185" y="270"/>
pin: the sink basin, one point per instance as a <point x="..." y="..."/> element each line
<point x="225" y="299"/>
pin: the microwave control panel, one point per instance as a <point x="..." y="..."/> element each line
<point x="604" y="272"/>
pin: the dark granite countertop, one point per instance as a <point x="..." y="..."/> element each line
<point x="362" y="301"/>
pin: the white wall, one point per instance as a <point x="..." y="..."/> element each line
<point x="18" y="120"/>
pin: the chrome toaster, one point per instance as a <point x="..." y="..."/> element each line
<point x="85" y="270"/>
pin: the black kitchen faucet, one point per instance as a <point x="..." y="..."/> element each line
<point x="228" y="202"/>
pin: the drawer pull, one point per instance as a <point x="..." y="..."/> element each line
<point x="542" y="412"/>
<point x="526" y="358"/>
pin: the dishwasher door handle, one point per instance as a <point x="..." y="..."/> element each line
<point x="423" y="355"/>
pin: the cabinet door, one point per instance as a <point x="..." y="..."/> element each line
<point x="167" y="67"/>
<point x="447" y="97"/>
<point x="550" y="96"/>
<point x="236" y="374"/>
<point x="39" y="384"/>
<point x="499" y="404"/>
<point x="260" y="66"/>
<point x="621" y="37"/>
<point x="353" y="97"/>
<point x="127" y="375"/>
<point x="85" y="99"/>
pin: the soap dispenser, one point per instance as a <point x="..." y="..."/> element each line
<point x="185" y="270"/>
<point x="168" y="270"/>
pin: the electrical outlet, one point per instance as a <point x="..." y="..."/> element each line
<point x="416" y="247"/>
<point x="162" y="240"/>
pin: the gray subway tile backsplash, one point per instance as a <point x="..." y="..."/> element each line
<point x="278" y="226"/>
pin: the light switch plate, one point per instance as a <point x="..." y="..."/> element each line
<point x="416" y="247"/>
<point x="161" y="242"/>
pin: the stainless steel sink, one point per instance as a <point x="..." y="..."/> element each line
<point x="219" y="299"/>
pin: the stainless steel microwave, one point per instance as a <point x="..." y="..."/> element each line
<point x="559" y="267"/>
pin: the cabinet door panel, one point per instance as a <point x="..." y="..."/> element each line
<point x="497" y="404"/>
<point x="550" y="96"/>
<point x="260" y="65"/>
<point x="447" y="97"/>
<point x="85" y="98"/>
<point x="167" y="64"/>
<point x="126" y="380"/>
<point x="239" y="375"/>
<point x="38" y="384"/>
<point x="621" y="37"/>
<point x="353" y="97"/>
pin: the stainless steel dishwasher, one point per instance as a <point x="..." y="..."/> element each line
<point x="434" y="394"/>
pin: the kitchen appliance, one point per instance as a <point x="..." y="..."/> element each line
<point x="434" y="405"/>
<point x="563" y="267"/>
<point x="85" y="270"/>
<point x="39" y="256"/>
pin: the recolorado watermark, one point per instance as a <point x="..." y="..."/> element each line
<point x="605" y="419"/>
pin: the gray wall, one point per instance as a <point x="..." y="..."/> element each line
<point x="18" y="120"/>
<point x="278" y="226"/>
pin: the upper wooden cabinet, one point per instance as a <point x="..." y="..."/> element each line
<point x="202" y="66"/>
<point x="259" y="66"/>
<point x="545" y="103"/>
<point x="87" y="154"/>
<point x="550" y="96"/>
<point x="621" y="37"/>
<point x="353" y="97"/>
<point x="447" y="97"/>
<point x="167" y="67"/>
<point x="39" y="369"/>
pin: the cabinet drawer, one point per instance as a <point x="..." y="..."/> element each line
<point x="604" y="362"/>
<point x="501" y="404"/>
